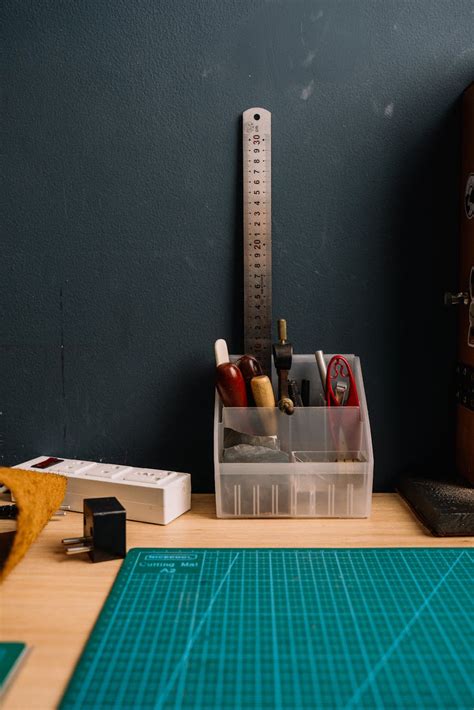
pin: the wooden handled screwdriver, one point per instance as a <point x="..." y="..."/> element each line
<point x="264" y="398"/>
<point x="250" y="367"/>
<point x="262" y="391"/>
<point x="230" y="382"/>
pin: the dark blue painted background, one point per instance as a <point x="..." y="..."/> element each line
<point x="121" y="257"/>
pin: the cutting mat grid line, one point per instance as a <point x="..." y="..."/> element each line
<point x="282" y="629"/>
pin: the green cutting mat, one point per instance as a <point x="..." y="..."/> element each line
<point x="11" y="656"/>
<point x="282" y="628"/>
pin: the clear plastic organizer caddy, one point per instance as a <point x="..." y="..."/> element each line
<point x="330" y="460"/>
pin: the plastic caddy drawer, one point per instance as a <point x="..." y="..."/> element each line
<point x="330" y="460"/>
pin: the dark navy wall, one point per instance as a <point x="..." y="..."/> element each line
<point x="121" y="257"/>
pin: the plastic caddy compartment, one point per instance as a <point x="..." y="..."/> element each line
<point x="330" y="460"/>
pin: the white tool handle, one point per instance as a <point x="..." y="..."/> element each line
<point x="221" y="351"/>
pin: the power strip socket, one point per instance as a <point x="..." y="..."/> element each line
<point x="147" y="494"/>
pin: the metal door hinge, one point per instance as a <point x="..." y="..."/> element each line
<point x="465" y="385"/>
<point x="453" y="299"/>
<point x="466" y="298"/>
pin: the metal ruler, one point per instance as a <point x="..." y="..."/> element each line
<point x="257" y="172"/>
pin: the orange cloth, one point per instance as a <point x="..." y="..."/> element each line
<point x="37" y="496"/>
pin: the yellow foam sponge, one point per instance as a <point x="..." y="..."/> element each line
<point x="37" y="496"/>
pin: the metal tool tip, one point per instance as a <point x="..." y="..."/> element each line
<point x="282" y="334"/>
<point x="78" y="549"/>
<point x="73" y="540"/>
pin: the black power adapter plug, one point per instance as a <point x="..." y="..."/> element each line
<point x="104" y="531"/>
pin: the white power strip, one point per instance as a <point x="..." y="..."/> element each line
<point x="147" y="494"/>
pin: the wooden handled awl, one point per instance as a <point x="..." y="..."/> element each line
<point x="262" y="391"/>
<point x="250" y="367"/>
<point x="230" y="382"/>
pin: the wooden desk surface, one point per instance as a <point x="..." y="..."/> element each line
<point x="51" y="601"/>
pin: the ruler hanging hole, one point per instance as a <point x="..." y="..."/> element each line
<point x="256" y="117"/>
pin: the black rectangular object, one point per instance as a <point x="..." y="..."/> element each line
<point x="104" y="527"/>
<point x="446" y="508"/>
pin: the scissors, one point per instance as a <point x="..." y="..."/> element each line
<point x="340" y="384"/>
